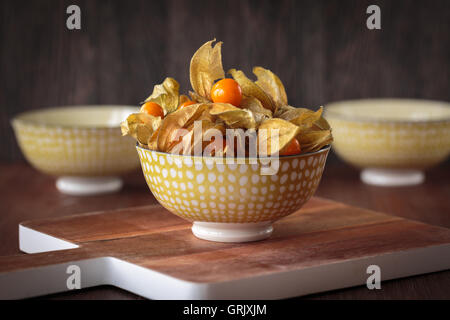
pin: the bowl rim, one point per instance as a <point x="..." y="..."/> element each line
<point x="300" y="155"/>
<point x="329" y="113"/>
<point x="19" y="118"/>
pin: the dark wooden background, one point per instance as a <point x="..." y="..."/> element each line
<point x="321" y="50"/>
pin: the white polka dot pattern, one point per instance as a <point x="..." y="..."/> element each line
<point x="64" y="151"/>
<point x="390" y="144"/>
<point x="224" y="192"/>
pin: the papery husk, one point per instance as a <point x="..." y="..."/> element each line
<point x="206" y="67"/>
<point x="305" y="118"/>
<point x="233" y="117"/>
<point x="321" y="124"/>
<point x="180" y="119"/>
<point x="153" y="141"/>
<point x="143" y="133"/>
<point x="182" y="147"/>
<point x="283" y="109"/>
<point x="272" y="85"/>
<point x="254" y="105"/>
<point x="183" y="98"/>
<point x="314" y="133"/>
<point x="179" y="145"/>
<point x="314" y="140"/>
<point x="251" y="89"/>
<point x="287" y="131"/>
<point x="140" y="126"/>
<point x="203" y="141"/>
<point x="302" y="113"/>
<point x="166" y="95"/>
<point x="197" y="98"/>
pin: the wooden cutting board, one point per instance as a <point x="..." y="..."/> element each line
<point x="146" y="250"/>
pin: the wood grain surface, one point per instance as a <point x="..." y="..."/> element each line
<point x="321" y="50"/>
<point x="322" y="232"/>
<point x="28" y="195"/>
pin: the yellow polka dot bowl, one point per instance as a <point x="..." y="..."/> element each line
<point x="232" y="200"/>
<point x="392" y="140"/>
<point x="81" y="145"/>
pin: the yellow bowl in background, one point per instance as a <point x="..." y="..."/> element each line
<point x="231" y="202"/>
<point x="393" y="140"/>
<point x="82" y="145"/>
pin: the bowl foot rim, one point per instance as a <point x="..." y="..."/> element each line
<point x="88" y="186"/>
<point x="232" y="232"/>
<point x="392" y="177"/>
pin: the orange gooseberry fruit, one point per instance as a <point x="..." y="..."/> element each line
<point x="292" y="148"/>
<point x="185" y="104"/>
<point x="153" y="109"/>
<point x="227" y="91"/>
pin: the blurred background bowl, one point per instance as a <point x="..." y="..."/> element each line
<point x="81" y="145"/>
<point x="392" y="140"/>
<point x="231" y="202"/>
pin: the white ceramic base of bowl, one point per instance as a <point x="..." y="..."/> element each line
<point x="392" y="177"/>
<point x="232" y="232"/>
<point x="87" y="186"/>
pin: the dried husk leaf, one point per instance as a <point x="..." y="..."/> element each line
<point x="314" y="140"/>
<point x="254" y="105"/>
<point x="197" y="98"/>
<point x="292" y="113"/>
<point x="206" y="67"/>
<point x="166" y="95"/>
<point x="143" y="134"/>
<point x="183" y="98"/>
<point x="307" y="118"/>
<point x="207" y="122"/>
<point x="207" y="115"/>
<point x="304" y="118"/>
<point x="232" y="116"/>
<point x="140" y="126"/>
<point x="321" y="124"/>
<point x="283" y="109"/>
<point x="286" y="132"/>
<point x="182" y="118"/>
<point x="251" y="89"/>
<point x="181" y="147"/>
<point x="272" y="85"/>
<point x="315" y="132"/>
<point x="206" y="127"/>
<point x="152" y="142"/>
